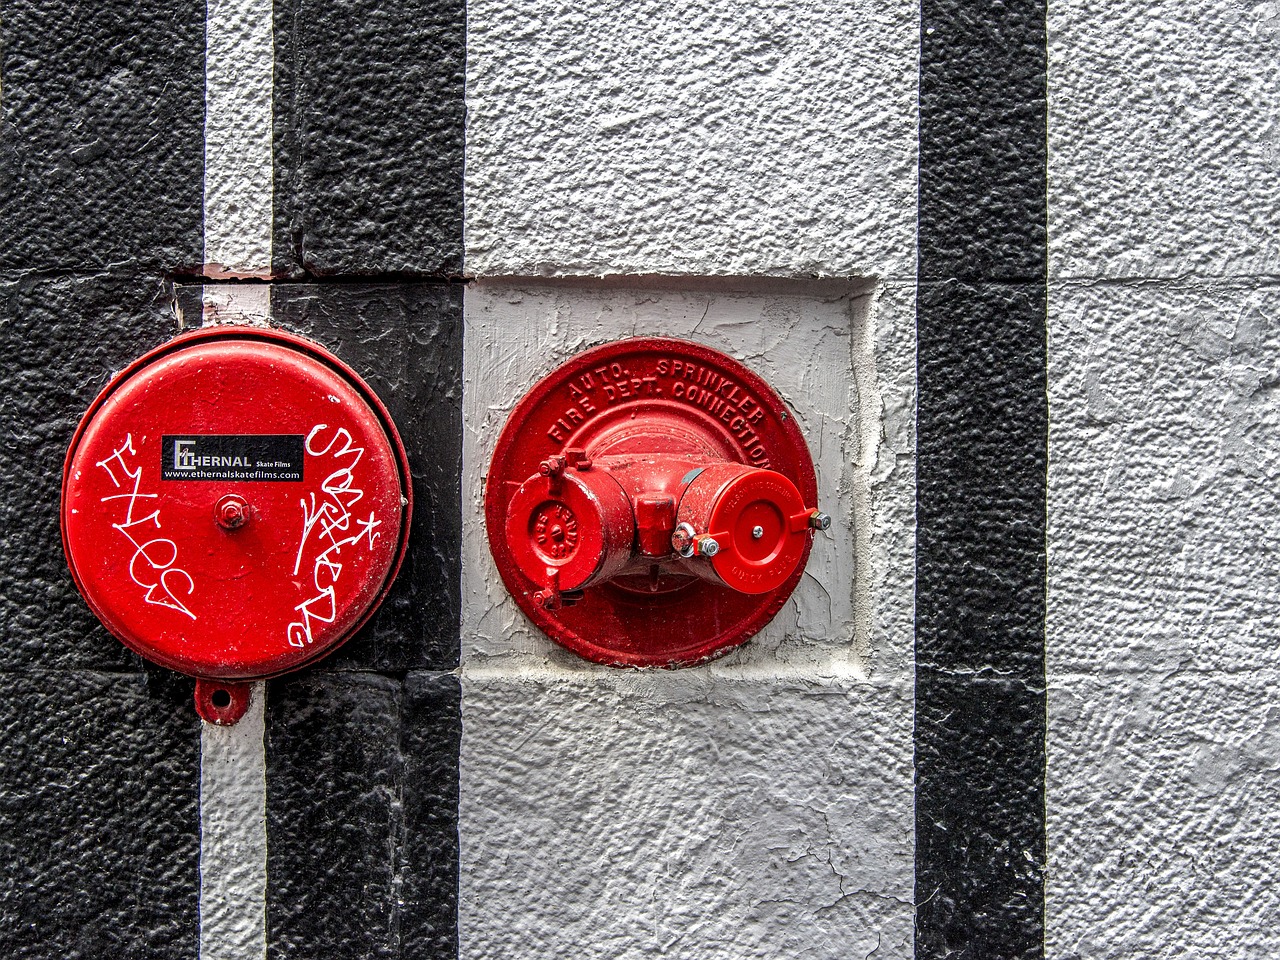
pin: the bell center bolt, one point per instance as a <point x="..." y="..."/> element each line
<point x="651" y="503"/>
<point x="232" y="512"/>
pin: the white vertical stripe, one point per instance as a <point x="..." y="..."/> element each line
<point x="239" y="63"/>
<point x="233" y="764"/>
<point x="233" y="836"/>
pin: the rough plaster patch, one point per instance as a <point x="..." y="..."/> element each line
<point x="233" y="836"/>
<point x="1164" y="138"/>
<point x="239" y="63"/>
<point x="758" y="806"/>
<point x="816" y="344"/>
<point x="1164" y="479"/>
<point x="697" y="137"/>
<point x="685" y="816"/>
<point x="890" y="567"/>
<point x="247" y="304"/>
<point x="1164" y="816"/>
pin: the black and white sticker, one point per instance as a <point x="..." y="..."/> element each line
<point x="232" y="457"/>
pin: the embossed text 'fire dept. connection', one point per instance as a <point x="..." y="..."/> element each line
<point x="276" y="457"/>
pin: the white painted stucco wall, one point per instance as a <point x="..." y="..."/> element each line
<point x="1164" y="345"/>
<point x="696" y="137"/>
<point x="760" y="806"/>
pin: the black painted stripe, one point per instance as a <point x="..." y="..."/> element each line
<point x="101" y="198"/>
<point x="368" y="127"/>
<point x="982" y="436"/>
<point x="363" y="747"/>
<point x="362" y="797"/>
<point x="405" y="340"/>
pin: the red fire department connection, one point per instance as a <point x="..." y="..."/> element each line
<point x="651" y="503"/>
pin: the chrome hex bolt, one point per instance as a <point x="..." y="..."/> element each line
<point x="552" y="466"/>
<point x="547" y="599"/>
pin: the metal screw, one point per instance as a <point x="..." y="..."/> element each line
<point x="757" y="533"/>
<point x="682" y="540"/>
<point x="546" y="599"/>
<point x="706" y="546"/>
<point x="819" y="520"/>
<point x="232" y="512"/>
<point x="552" y="466"/>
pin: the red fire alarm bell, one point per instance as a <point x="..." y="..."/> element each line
<point x="651" y="503"/>
<point x="235" y="505"/>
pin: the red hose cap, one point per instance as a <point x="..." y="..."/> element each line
<point x="568" y="528"/>
<point x="758" y="521"/>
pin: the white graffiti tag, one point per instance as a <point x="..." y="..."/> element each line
<point x="152" y="565"/>
<point x="329" y="526"/>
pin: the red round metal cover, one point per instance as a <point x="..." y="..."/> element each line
<point x="235" y="504"/>
<point x="569" y="527"/>
<point x="761" y="525"/>
<point x="650" y="400"/>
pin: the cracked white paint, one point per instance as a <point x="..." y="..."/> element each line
<point x="706" y="787"/>
<point x="233" y="836"/>
<point x="238" y="203"/>
<point x="247" y="304"/>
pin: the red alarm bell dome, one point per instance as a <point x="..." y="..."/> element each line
<point x="235" y="504"/>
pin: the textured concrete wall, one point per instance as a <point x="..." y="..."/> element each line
<point x="696" y="137"/>
<point x="1163" y="823"/>
<point x="760" y="805"/>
